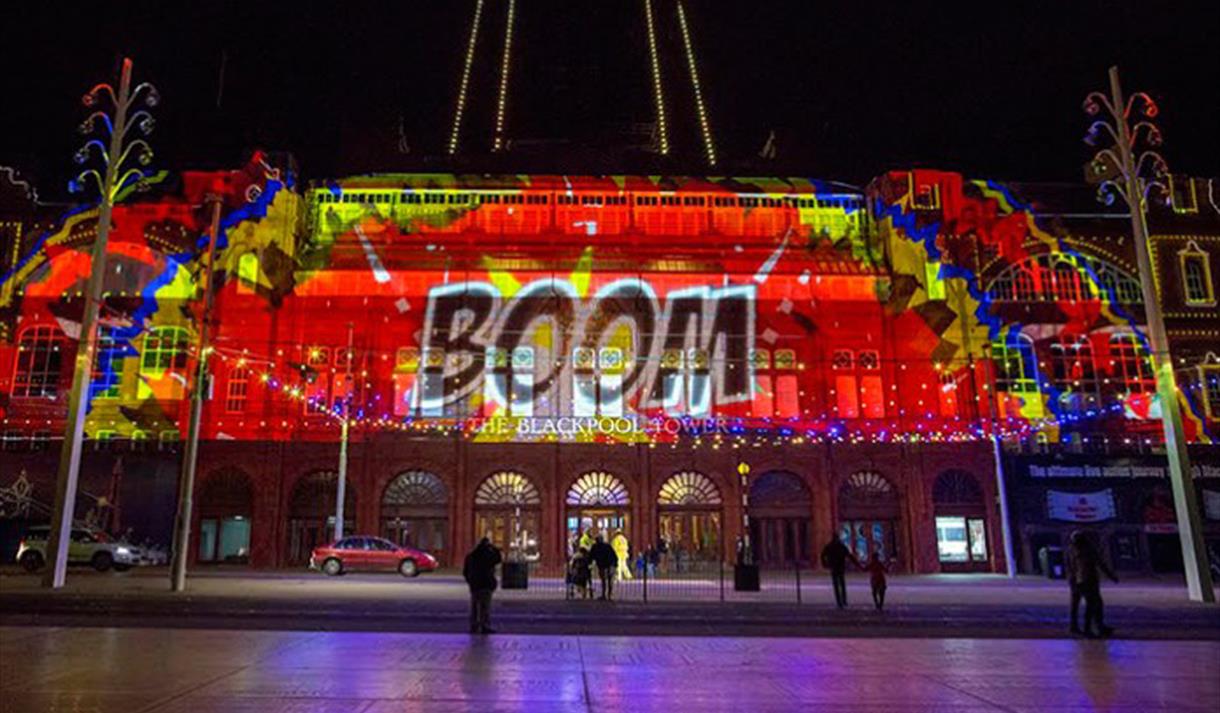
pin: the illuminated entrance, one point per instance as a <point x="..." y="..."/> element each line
<point x="597" y="504"/>
<point x="689" y="513"/>
<point x="780" y="519"/>
<point x="869" y="515"/>
<point x="508" y="511"/>
<point x="414" y="512"/>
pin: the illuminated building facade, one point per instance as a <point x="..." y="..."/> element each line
<point x="543" y="354"/>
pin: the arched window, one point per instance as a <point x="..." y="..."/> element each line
<point x="1074" y="373"/>
<point x="416" y="487"/>
<point x="867" y="487"/>
<point x="1061" y="276"/>
<point x="163" y="363"/>
<point x="39" y="362"/>
<point x="957" y="487"/>
<point x="507" y="488"/>
<point x="597" y="488"/>
<point x="689" y="488"/>
<point x="1130" y="364"/>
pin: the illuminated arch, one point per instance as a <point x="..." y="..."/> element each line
<point x="598" y="488"/>
<point x="867" y="487"/>
<point x="415" y="487"/>
<point x="689" y="488"/>
<point x="507" y="488"/>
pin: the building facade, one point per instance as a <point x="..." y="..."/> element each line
<point x="530" y="357"/>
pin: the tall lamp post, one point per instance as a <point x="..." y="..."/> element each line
<point x="186" y="481"/>
<point x="117" y="151"/>
<point x="344" y="413"/>
<point x="1130" y="170"/>
<point x="747" y="553"/>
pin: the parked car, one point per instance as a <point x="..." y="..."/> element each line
<point x="91" y="547"/>
<point x="370" y="554"/>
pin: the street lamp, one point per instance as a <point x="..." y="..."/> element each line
<point x="1129" y="170"/>
<point x="747" y="553"/>
<point x="117" y="153"/>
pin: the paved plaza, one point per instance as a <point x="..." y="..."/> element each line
<point x="99" y="670"/>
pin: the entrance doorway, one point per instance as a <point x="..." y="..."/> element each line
<point x="961" y="523"/>
<point x="225" y="503"/>
<point x="508" y="511"/>
<point x="597" y="504"/>
<point x="311" y="514"/>
<point x="414" y="513"/>
<point x="781" y="520"/>
<point x="868" y="516"/>
<point x="689" y="515"/>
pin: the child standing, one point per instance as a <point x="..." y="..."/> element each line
<point x="876" y="570"/>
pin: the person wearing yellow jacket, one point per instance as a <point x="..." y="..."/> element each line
<point x="622" y="548"/>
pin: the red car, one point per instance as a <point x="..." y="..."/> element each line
<point x="370" y="554"/>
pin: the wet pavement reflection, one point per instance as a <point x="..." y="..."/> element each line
<point x="132" y="670"/>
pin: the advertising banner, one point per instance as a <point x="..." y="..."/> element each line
<point x="1080" y="507"/>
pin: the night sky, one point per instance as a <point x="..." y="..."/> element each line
<point x="850" y="88"/>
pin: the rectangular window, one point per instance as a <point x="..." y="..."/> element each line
<point x="39" y="362"/>
<point x="952" y="541"/>
<point x="238" y="390"/>
<point x="107" y="369"/>
<point x="1196" y="277"/>
<point x="1211" y="390"/>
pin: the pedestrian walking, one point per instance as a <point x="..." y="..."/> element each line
<point x="654" y="561"/>
<point x="834" y="557"/>
<point x="876" y="579"/>
<point x="607" y="562"/>
<point x="1084" y="569"/>
<point x="479" y="570"/>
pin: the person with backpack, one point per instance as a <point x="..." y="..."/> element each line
<point x="479" y="571"/>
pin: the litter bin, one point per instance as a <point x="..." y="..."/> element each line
<point x="745" y="578"/>
<point x="1051" y="560"/>
<point x="515" y="575"/>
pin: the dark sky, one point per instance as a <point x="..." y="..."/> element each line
<point x="852" y="88"/>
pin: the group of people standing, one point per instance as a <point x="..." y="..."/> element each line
<point x="591" y="552"/>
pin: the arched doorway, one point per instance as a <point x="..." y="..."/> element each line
<point x="868" y="515"/>
<point x="781" y="521"/>
<point x="597" y="504"/>
<point x="311" y="513"/>
<point x="961" y="522"/>
<point x="415" y="512"/>
<point x="690" y="517"/>
<point x="225" y="504"/>
<point x="508" y="511"/>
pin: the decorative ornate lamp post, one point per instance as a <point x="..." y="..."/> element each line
<point x="118" y="175"/>
<point x="745" y="571"/>
<point x="1130" y="170"/>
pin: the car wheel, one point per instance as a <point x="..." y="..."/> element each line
<point x="31" y="561"/>
<point x="122" y="567"/>
<point x="332" y="567"/>
<point x="102" y="561"/>
<point x="407" y="568"/>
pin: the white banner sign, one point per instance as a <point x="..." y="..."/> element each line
<point x="1114" y="471"/>
<point x="1081" y="507"/>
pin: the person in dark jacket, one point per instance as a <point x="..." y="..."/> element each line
<point x="1084" y="569"/>
<point x="606" y="560"/>
<point x="479" y="571"/>
<point x="834" y="558"/>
